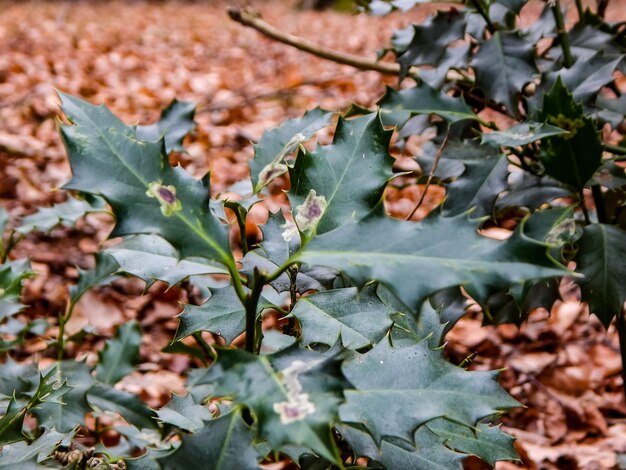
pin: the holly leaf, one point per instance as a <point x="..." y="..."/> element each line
<point x="574" y="157"/>
<point x="175" y="123"/>
<point x="38" y="450"/>
<point x="146" y="194"/>
<point x="222" y="444"/>
<point x="424" y="449"/>
<point x="521" y="134"/>
<point x="388" y="381"/>
<point x="486" y="442"/>
<point x="531" y="191"/>
<point x="64" y="415"/>
<point x="106" y="266"/>
<point x="479" y="185"/>
<point x="503" y="65"/>
<point x="49" y="390"/>
<point x="66" y="214"/>
<point x="281" y="239"/>
<point x="184" y="413"/>
<point x="600" y="256"/>
<point x="276" y="144"/>
<point x="294" y="394"/>
<point x="415" y="260"/>
<point x="431" y="39"/>
<point x="12" y="276"/>
<point x="457" y="57"/>
<point x="358" y="319"/>
<point x="105" y="398"/>
<point x="584" y="79"/>
<point x="17" y="378"/>
<point x="343" y="180"/>
<point x="120" y="354"/>
<point x="151" y="258"/>
<point x="396" y="107"/>
<point x="222" y="314"/>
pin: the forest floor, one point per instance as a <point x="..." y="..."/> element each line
<point x="136" y="57"/>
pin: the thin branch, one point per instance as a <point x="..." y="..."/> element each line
<point x="598" y="200"/>
<point x="430" y="175"/>
<point x="568" y="60"/>
<point x="478" y="4"/>
<point x="248" y="19"/>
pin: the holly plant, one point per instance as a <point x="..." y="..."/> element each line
<point x="354" y="375"/>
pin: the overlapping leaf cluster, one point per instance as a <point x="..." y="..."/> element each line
<point x="357" y="370"/>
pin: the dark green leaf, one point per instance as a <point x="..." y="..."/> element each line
<point x="574" y="157"/>
<point x="175" y="123"/>
<point x="20" y="452"/>
<point x="521" y="134"/>
<point x="106" y="266"/>
<point x="278" y="143"/>
<point x="531" y="191"/>
<point x="415" y="260"/>
<point x="487" y="442"/>
<point x="344" y="180"/>
<point x="104" y="398"/>
<point x="424" y="450"/>
<point x="478" y="187"/>
<point x="18" y="378"/>
<point x="610" y="175"/>
<point x="450" y="303"/>
<point x="146" y="194"/>
<point x="600" y="257"/>
<point x="389" y="382"/>
<point x="356" y="318"/>
<point x="515" y="305"/>
<point x="66" y="415"/>
<point x="224" y="443"/>
<point x="294" y="394"/>
<point x="120" y="354"/>
<point x="12" y="275"/>
<point x="457" y="57"/>
<point x="397" y="106"/>
<point x="222" y="314"/>
<point x="281" y="239"/>
<point x="50" y="390"/>
<point x="432" y="38"/>
<point x="184" y="413"/>
<point x="503" y="65"/>
<point x="584" y="79"/>
<point x="151" y="258"/>
<point x="65" y="213"/>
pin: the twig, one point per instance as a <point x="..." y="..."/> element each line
<point x="430" y="175"/>
<point x="478" y="4"/>
<point x="598" y="200"/>
<point x="568" y="60"/>
<point x="247" y="19"/>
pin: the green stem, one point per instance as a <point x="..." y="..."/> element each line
<point x="615" y="149"/>
<point x="64" y="317"/>
<point x="579" y="9"/>
<point x="251" y="303"/>
<point x="568" y="60"/>
<point x="598" y="200"/>
<point x="206" y="347"/>
<point x="620" y="325"/>
<point x="478" y="4"/>
<point x="241" y="222"/>
<point x="583" y="206"/>
<point x="281" y="269"/>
